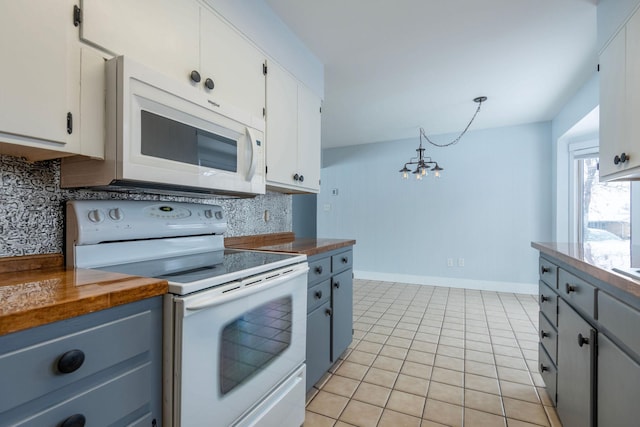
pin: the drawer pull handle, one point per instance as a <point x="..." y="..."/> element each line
<point x="544" y="334"/>
<point x="208" y="83"/>
<point x="543" y="298"/>
<point x="336" y="285"/>
<point x="195" y="76"/>
<point x="328" y="312"/>
<point x="345" y="260"/>
<point x="620" y="159"/>
<point x="543" y="368"/>
<point x="77" y="420"/>
<point x="70" y="361"/>
<point x="319" y="269"/>
<point x="582" y="340"/>
<point x="570" y="288"/>
<point x="544" y="269"/>
<point x="318" y="294"/>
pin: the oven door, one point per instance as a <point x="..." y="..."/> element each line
<point x="232" y="350"/>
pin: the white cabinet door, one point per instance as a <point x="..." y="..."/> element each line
<point x="36" y="53"/>
<point x="620" y="104"/>
<point x="233" y="64"/>
<point x="282" y="127"/>
<point x="612" y="103"/>
<point x="309" y="138"/>
<point x="163" y="34"/>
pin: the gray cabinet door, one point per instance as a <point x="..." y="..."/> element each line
<point x="618" y="386"/>
<point x="318" y="338"/>
<point x="576" y="343"/>
<point x="342" y="319"/>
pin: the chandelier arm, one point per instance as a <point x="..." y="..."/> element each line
<point x="455" y="141"/>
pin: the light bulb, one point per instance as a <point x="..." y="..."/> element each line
<point x="405" y="175"/>
<point x="424" y="172"/>
<point x="437" y="174"/>
<point x="418" y="176"/>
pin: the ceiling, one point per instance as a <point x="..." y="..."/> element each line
<point x="393" y="66"/>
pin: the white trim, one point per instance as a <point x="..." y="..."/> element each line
<point x="451" y="282"/>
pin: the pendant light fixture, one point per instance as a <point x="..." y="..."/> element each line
<point x="424" y="164"/>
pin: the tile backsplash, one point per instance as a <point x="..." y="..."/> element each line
<point x="32" y="208"/>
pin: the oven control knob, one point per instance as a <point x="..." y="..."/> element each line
<point x="96" y="215"/>
<point x="116" y="214"/>
<point x="208" y="213"/>
<point x="218" y="214"/>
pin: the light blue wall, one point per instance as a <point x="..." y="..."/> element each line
<point x="492" y="201"/>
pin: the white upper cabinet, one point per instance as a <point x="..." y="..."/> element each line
<point x="620" y="104"/>
<point x="292" y="134"/>
<point x="233" y="64"/>
<point x="40" y="83"/>
<point x="162" y="34"/>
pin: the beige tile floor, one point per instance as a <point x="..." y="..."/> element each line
<point x="426" y="356"/>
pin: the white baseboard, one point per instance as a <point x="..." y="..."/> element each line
<point x="483" y="285"/>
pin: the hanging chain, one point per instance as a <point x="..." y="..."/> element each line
<point x="455" y="141"/>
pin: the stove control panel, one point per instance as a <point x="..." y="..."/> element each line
<point x="96" y="221"/>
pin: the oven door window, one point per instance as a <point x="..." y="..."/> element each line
<point x="168" y="139"/>
<point x="252" y="341"/>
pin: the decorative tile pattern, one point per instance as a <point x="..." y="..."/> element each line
<point x="32" y="208"/>
<point x="433" y="356"/>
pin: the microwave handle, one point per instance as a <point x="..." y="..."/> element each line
<point x="254" y="158"/>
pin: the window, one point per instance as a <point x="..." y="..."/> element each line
<point x="602" y="214"/>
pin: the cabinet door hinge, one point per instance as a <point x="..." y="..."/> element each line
<point x="320" y="110"/>
<point x="266" y="169"/>
<point x="69" y="123"/>
<point x="598" y="68"/>
<point x="264" y="68"/>
<point x="264" y="112"/>
<point x="77" y="15"/>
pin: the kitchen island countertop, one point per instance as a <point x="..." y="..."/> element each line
<point x="287" y="242"/>
<point x="38" y="289"/>
<point x="575" y="255"/>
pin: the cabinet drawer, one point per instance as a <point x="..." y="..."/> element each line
<point x="576" y="290"/>
<point x="548" y="303"/>
<point x="548" y="272"/>
<point x="342" y="261"/>
<point x="548" y="337"/>
<point x="319" y="270"/>
<point x="105" y="405"/>
<point x="318" y="295"/>
<point x="548" y="372"/>
<point x="34" y="371"/>
<point x="621" y="320"/>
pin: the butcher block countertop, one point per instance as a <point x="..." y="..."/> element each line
<point x="287" y="242"/>
<point x="38" y="289"/>
<point x="576" y="256"/>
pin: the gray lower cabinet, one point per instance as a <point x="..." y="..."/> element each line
<point x="589" y="348"/>
<point x="329" y="310"/>
<point x="100" y="369"/>
<point x="576" y="352"/>
<point x="618" y="386"/>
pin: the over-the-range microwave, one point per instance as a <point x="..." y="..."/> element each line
<point x="166" y="136"/>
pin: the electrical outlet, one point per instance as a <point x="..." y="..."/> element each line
<point x="266" y="216"/>
<point x="334" y="192"/>
<point x="460" y="262"/>
<point x="449" y="262"/>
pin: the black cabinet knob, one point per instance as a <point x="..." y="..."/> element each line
<point x="582" y="340"/>
<point x="208" y="83"/>
<point x="620" y="159"/>
<point x="318" y="294"/>
<point x="296" y="177"/>
<point x="301" y="178"/>
<point x="543" y="298"/>
<point x="319" y="269"/>
<point x="569" y="288"/>
<point x="77" y="420"/>
<point x="195" y="76"/>
<point x="336" y="285"/>
<point x="328" y="312"/>
<point x="345" y="260"/>
<point x="544" y="334"/>
<point x="544" y="269"/>
<point x="70" y="361"/>
<point x="543" y="368"/>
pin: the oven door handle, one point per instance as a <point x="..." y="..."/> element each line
<point x="244" y="291"/>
